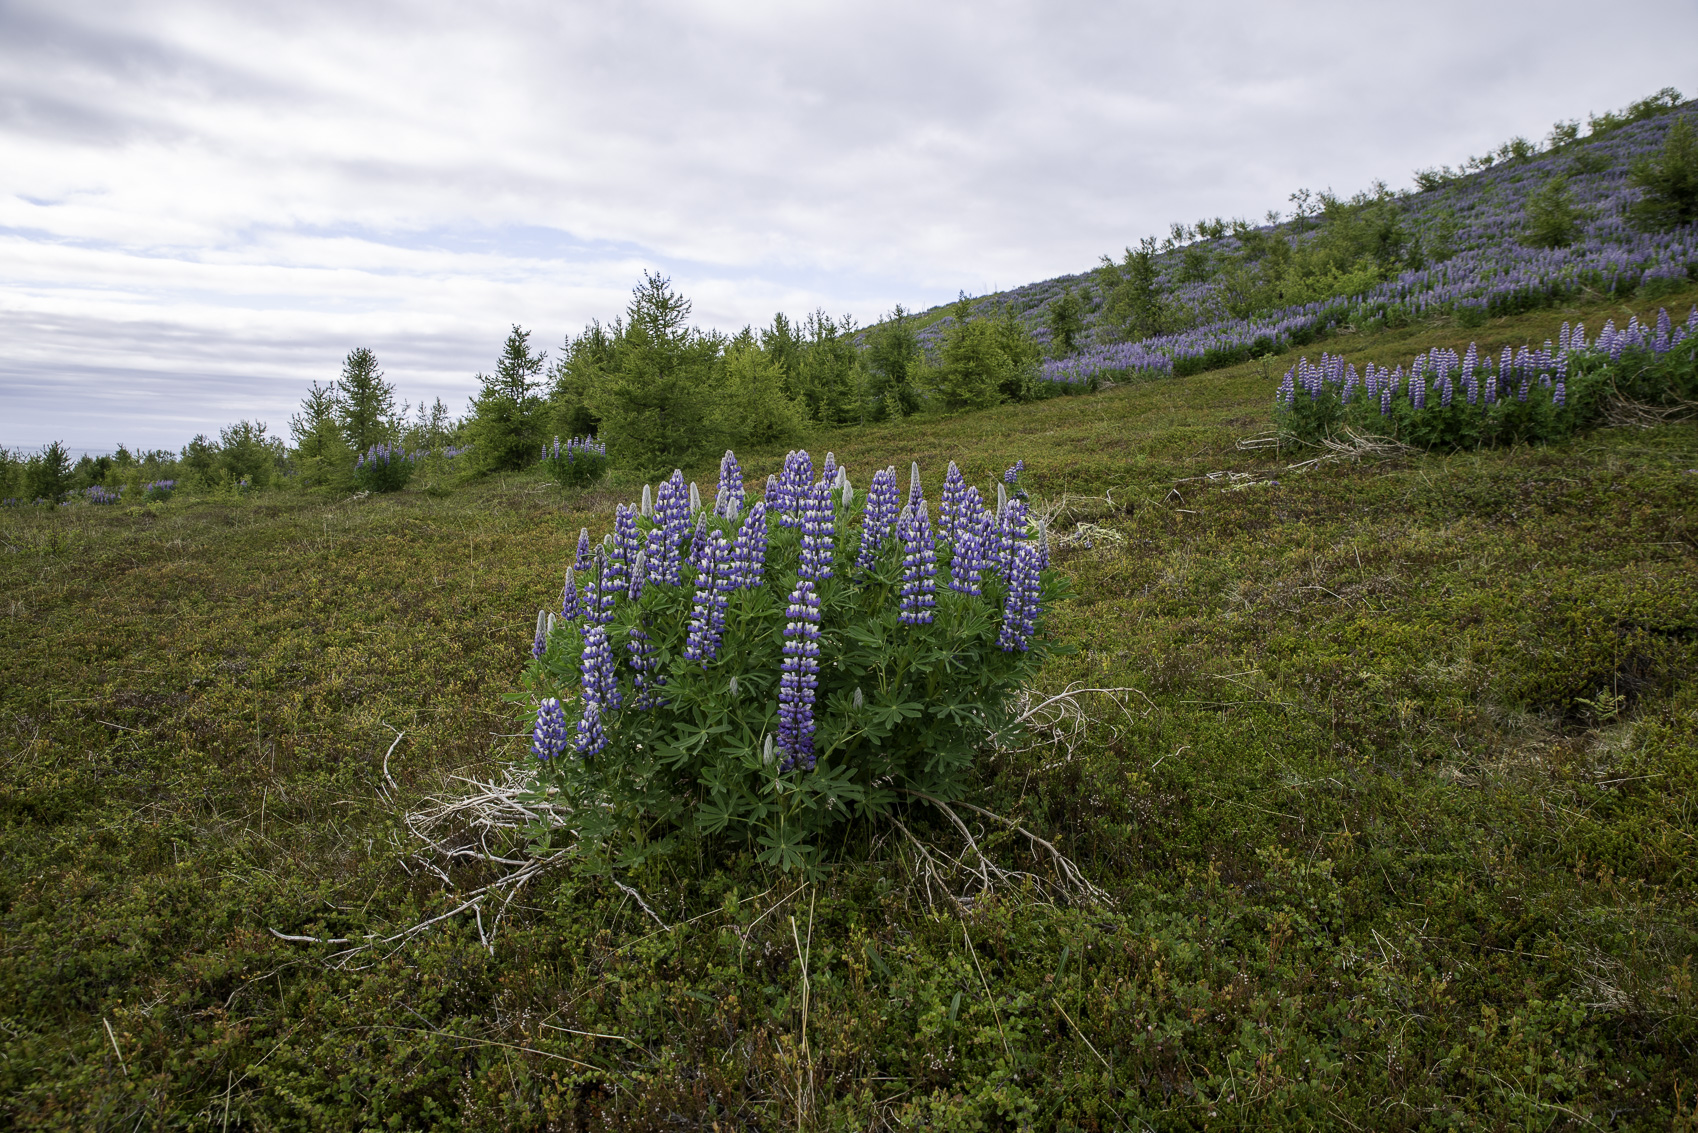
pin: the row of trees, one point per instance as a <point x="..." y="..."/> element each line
<point x="661" y="392"/>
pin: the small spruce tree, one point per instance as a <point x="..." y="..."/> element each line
<point x="1552" y="219"/>
<point x="365" y="403"/>
<point x="1668" y="182"/>
<point x="505" y="427"/>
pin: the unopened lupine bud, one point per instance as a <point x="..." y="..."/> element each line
<point x="915" y="495"/>
<point x="766" y="754"/>
<point x="695" y="498"/>
<point x="733" y="684"/>
<point x="648" y="502"/>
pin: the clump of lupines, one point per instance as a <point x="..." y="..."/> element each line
<point x="384" y="468"/>
<point x="578" y="463"/>
<point x="769" y="684"/>
<point x="1527" y="394"/>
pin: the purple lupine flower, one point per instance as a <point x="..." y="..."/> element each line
<point x="643" y="665"/>
<point x="570" y="607"/>
<point x="598" y="595"/>
<point x="1558" y="394"/>
<point x="730" y="497"/>
<point x="919" y="566"/>
<point x="592" y="740"/>
<point x="968" y="553"/>
<point x="793" y="484"/>
<point x="548" y="737"/>
<point x="749" y="550"/>
<point x="798" y="679"/>
<point x="639" y="573"/>
<point x="772" y="492"/>
<point x="627" y="540"/>
<point x="539" y="644"/>
<point x="877" y="517"/>
<point x="916" y="493"/>
<point x="671" y="524"/>
<point x="582" y="560"/>
<point x="1020" y="604"/>
<point x="725" y="580"/>
<point x="949" y="504"/>
<point x="600" y="679"/>
<point x="706" y="624"/>
<point x="828" y="470"/>
<point x="1010" y="534"/>
<point x="819" y="534"/>
<point x="698" y="541"/>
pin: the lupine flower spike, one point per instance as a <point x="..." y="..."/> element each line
<point x="799" y="677"/>
<point x="548" y="737"/>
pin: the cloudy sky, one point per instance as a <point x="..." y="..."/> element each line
<point x="205" y="206"/>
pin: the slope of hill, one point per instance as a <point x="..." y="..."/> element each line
<point x="1399" y="825"/>
<point x="1465" y="245"/>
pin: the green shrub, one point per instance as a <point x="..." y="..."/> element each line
<point x="384" y="469"/>
<point x="580" y="462"/>
<point x="780" y="672"/>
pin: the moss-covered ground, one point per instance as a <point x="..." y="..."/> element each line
<point x="1402" y="830"/>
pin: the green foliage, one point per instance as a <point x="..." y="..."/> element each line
<point x="1553" y="221"/>
<point x="753" y="408"/>
<point x="505" y="428"/>
<point x="579" y="463"/>
<point x="384" y="468"/>
<point x="984" y="362"/>
<point x="1651" y="106"/>
<point x="363" y="403"/>
<point x="657" y="398"/>
<point x="47" y="474"/>
<point x="322" y="456"/>
<point x="893" y="361"/>
<point x="247" y="456"/>
<point x="899" y="708"/>
<point x="1133" y="305"/>
<point x="1065" y="320"/>
<point x="1668" y="181"/>
<point x="825" y="368"/>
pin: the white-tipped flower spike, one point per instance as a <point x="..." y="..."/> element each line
<point x="542" y="623"/>
<point x="1001" y="499"/>
<point x="695" y="498"/>
<point x="914" y="491"/>
<point x="639" y="576"/>
<point x="859" y="699"/>
<point x="733" y="684"/>
<point x="550" y="630"/>
<point x="719" y="503"/>
<point x="848" y="494"/>
<point x="842" y="474"/>
<point x="648" y="502"/>
<point x="766" y="754"/>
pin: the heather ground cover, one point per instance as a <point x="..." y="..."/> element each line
<point x="1399" y="830"/>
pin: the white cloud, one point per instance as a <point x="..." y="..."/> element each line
<point x="204" y="206"/>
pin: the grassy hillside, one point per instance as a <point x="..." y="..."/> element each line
<point x="1400" y="827"/>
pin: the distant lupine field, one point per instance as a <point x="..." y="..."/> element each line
<point x="1477" y="265"/>
<point x="1450" y="400"/>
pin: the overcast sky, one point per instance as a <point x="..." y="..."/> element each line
<point x="205" y="206"/>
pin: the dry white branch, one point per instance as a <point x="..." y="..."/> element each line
<point x="1353" y="448"/>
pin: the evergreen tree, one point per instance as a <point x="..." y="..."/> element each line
<point x="245" y="453"/>
<point x="577" y="377"/>
<point x="47" y="475"/>
<point x="1668" y="181"/>
<point x="973" y="368"/>
<point x="1552" y="219"/>
<point x="1066" y="322"/>
<point x="365" y="403"/>
<point x="1133" y="306"/>
<point x="754" y="410"/>
<point x="505" y="427"/>
<point x="654" y="404"/>
<point x="893" y="360"/>
<point x="321" y="450"/>
<point x="786" y="350"/>
<point x="828" y="357"/>
<point x="200" y="460"/>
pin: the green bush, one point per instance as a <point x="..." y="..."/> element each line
<point x="780" y="672"/>
<point x="384" y="469"/>
<point x="580" y="462"/>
